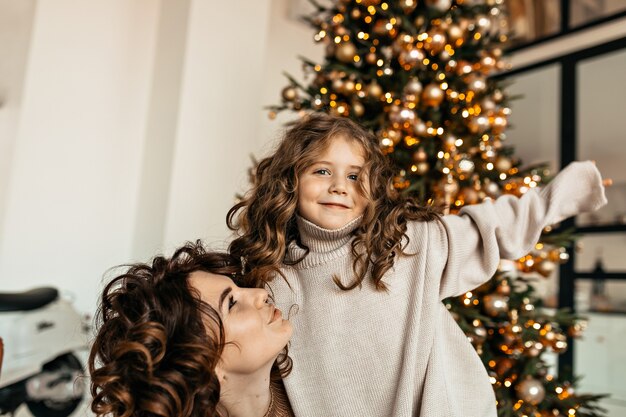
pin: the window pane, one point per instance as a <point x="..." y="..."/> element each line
<point x="601" y="128"/>
<point x="530" y="20"/>
<point x="585" y="11"/>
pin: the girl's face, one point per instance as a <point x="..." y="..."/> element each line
<point x="328" y="190"/>
<point x="255" y="332"/>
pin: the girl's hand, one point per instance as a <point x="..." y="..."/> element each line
<point x="607" y="182"/>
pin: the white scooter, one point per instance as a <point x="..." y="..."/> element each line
<point x="42" y="336"/>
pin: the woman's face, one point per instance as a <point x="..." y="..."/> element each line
<point x="255" y="331"/>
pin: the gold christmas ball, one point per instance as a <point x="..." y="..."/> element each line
<point x="419" y="128"/>
<point x="394" y="135"/>
<point x="495" y="304"/>
<point x="439" y="5"/>
<point x="465" y="165"/>
<point x="487" y="104"/>
<point x="503" y="164"/>
<point x="468" y="196"/>
<point x="487" y="64"/>
<point x="450" y="186"/>
<point x="432" y="95"/>
<point x="349" y="86"/>
<point x="478" y="124"/>
<point x="422" y="168"/>
<point x="577" y="329"/>
<point x="530" y="390"/>
<point x="338" y="85"/>
<point x="289" y="93"/>
<point x="420" y="155"/>
<point x="491" y="188"/>
<point x="408" y="5"/>
<point x="559" y="344"/>
<point x="371" y="58"/>
<point x="449" y="142"/>
<point x="483" y="23"/>
<point x="476" y="82"/>
<point x="345" y="52"/>
<point x="436" y="41"/>
<point x="358" y="109"/>
<point x="546" y="267"/>
<point x="499" y="124"/>
<point x="374" y="90"/>
<point x="504" y="365"/>
<point x="503" y="288"/>
<point x="455" y="32"/>
<point x="413" y="86"/>
<point x="411" y="57"/>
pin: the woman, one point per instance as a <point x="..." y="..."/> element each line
<point x="178" y="337"/>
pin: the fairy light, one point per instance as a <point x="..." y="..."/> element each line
<point x="323" y="90"/>
<point x="489" y="166"/>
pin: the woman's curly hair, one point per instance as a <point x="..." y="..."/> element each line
<point x="157" y="343"/>
<point x="265" y="219"/>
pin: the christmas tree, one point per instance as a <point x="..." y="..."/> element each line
<point x="417" y="73"/>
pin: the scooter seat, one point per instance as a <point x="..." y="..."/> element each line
<point x="27" y="300"/>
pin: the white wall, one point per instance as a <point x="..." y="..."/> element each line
<point x="133" y="129"/>
<point x="70" y="200"/>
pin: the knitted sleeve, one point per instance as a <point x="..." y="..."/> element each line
<point x="509" y="227"/>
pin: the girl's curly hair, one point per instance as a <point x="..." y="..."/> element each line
<point x="265" y="219"/>
<point x="157" y="343"/>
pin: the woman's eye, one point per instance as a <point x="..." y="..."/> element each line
<point x="231" y="302"/>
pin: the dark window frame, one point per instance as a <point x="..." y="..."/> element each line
<point x="568" y="151"/>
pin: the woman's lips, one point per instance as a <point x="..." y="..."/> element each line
<point x="276" y="314"/>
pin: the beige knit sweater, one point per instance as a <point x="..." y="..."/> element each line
<point x="400" y="353"/>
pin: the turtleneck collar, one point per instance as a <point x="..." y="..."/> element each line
<point x="321" y="242"/>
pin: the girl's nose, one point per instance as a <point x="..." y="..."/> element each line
<point x="337" y="186"/>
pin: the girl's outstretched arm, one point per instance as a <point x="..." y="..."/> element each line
<point x="509" y="227"/>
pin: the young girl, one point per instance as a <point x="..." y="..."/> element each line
<point x="368" y="270"/>
<point x="178" y="338"/>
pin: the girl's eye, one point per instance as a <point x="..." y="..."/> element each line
<point x="231" y="302"/>
<point x="353" y="177"/>
<point x="322" y="171"/>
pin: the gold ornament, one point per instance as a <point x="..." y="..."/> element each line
<point x="422" y="168"/>
<point x="503" y="164"/>
<point x="357" y="108"/>
<point x="559" y="344"/>
<point x="545" y="267"/>
<point x="504" y="365"/>
<point x="419" y="128"/>
<point x="476" y="82"/>
<point x="374" y="90"/>
<point x="455" y="33"/>
<point x="499" y="124"/>
<point x="478" y="124"/>
<point x="530" y="390"/>
<point x="411" y="57"/>
<point x="432" y="95"/>
<point x="420" y="155"/>
<point x="503" y="288"/>
<point x="495" y="304"/>
<point x="345" y="52"/>
<point x="408" y="5"/>
<point x="371" y="58"/>
<point x="440" y="5"/>
<point x="413" y="86"/>
<point x="289" y="93"/>
<point x="436" y="41"/>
